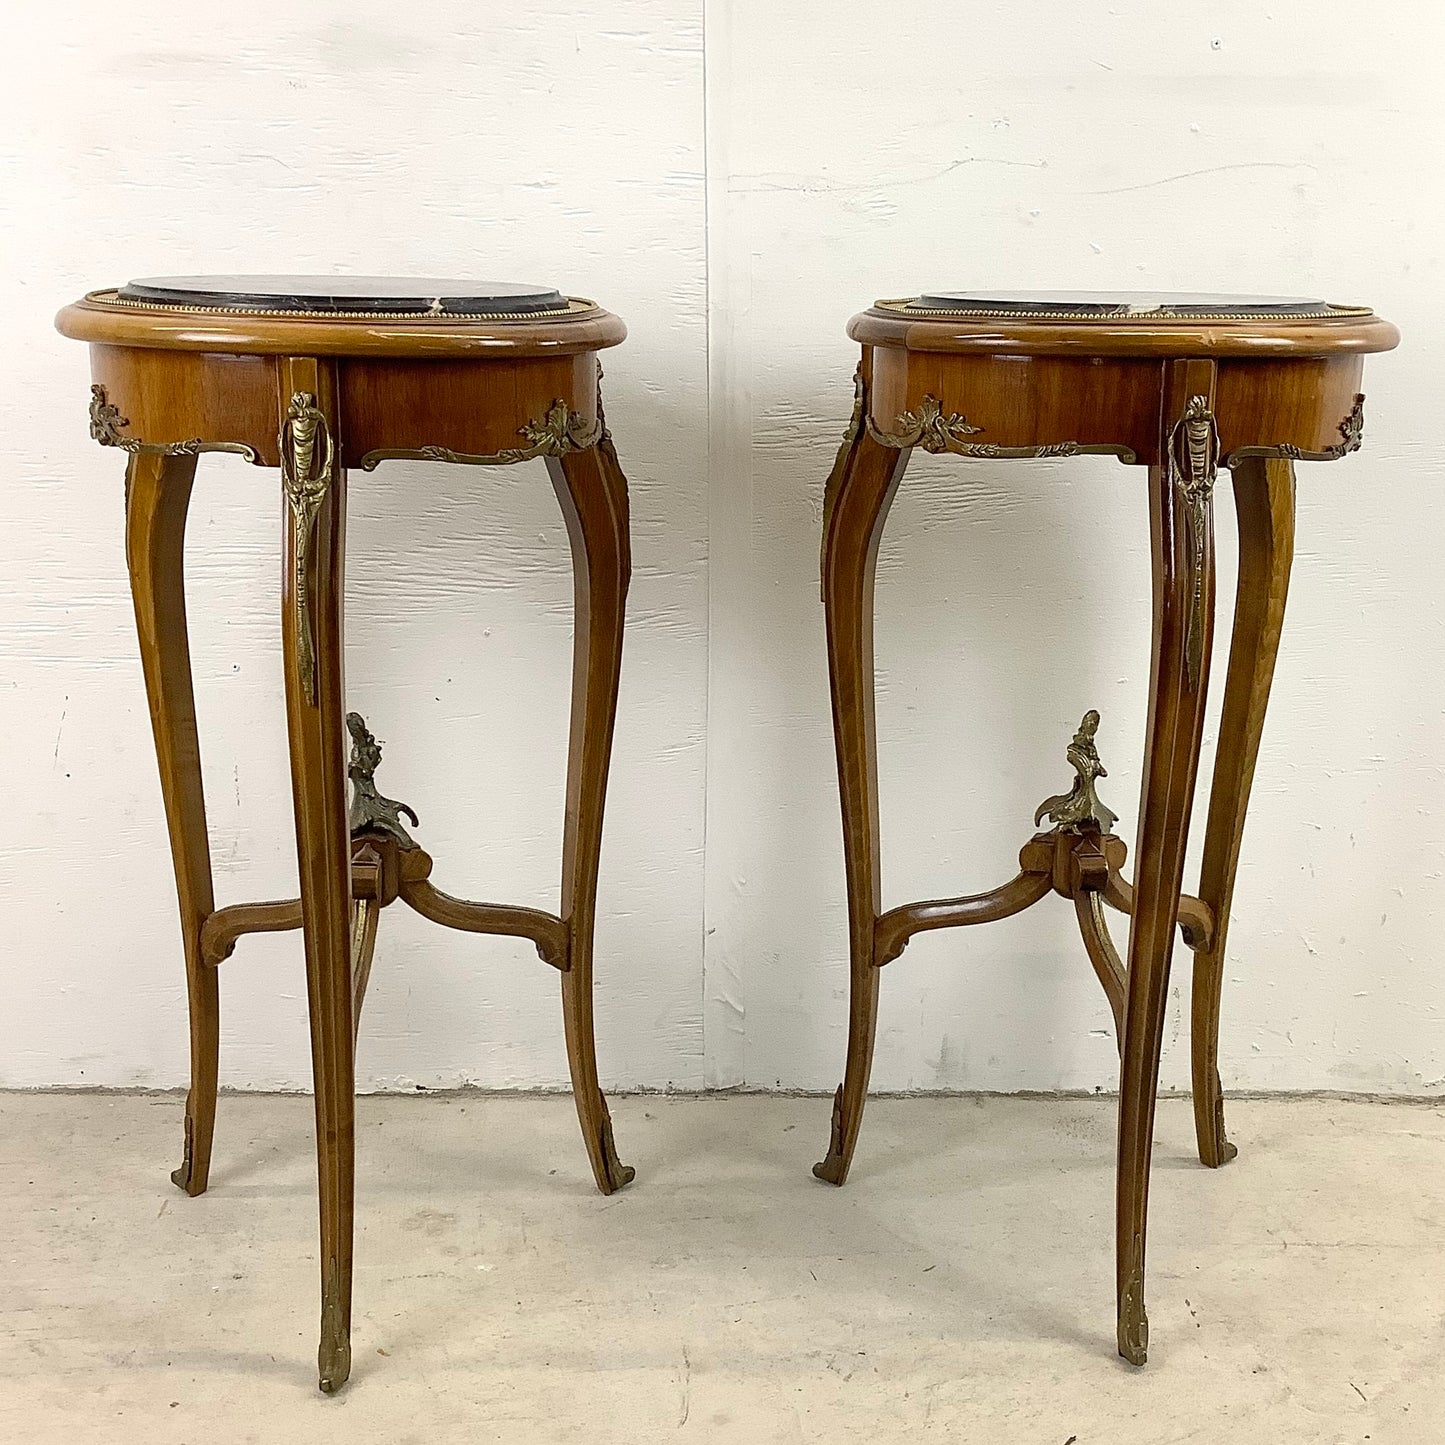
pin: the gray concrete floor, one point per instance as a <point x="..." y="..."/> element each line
<point x="959" y="1288"/>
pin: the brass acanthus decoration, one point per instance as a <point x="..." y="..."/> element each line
<point x="927" y="428"/>
<point x="370" y="811"/>
<point x="1351" y="430"/>
<point x="1194" y="462"/>
<point x="559" y="432"/>
<point x="1079" y="810"/>
<point x="307" y="461"/>
<point x="106" y="425"/>
<point x="106" y="421"/>
<point x="562" y="431"/>
<point x="930" y="429"/>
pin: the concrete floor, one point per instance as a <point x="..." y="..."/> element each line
<point x="959" y="1288"/>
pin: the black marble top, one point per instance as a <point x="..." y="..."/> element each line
<point x="385" y="295"/>
<point x="1114" y="303"/>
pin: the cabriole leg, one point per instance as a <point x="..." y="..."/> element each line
<point x="158" y="494"/>
<point x="860" y="492"/>
<point x="1264" y="503"/>
<point x="315" y="488"/>
<point x="592" y="493"/>
<point x="1182" y="543"/>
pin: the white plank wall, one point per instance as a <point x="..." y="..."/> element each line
<point x="735" y="179"/>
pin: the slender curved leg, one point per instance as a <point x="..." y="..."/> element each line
<point x="1264" y="503"/>
<point x="1108" y="967"/>
<point x="860" y="491"/>
<point x="312" y="655"/>
<point x="365" y="914"/>
<point x="1171" y="760"/>
<point x="158" y="494"/>
<point x="592" y="493"/>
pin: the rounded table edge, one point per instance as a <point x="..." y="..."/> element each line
<point x="1347" y="335"/>
<point x="237" y="333"/>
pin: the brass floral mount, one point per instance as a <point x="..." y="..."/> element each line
<point x="370" y="811"/>
<point x="1079" y="809"/>
<point x="1351" y="432"/>
<point x="107" y="424"/>
<point x="559" y="432"/>
<point x="1194" y="462"/>
<point x="308" y="459"/>
<point x="933" y="430"/>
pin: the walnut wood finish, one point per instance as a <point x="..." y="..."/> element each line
<point x="316" y="395"/>
<point x="592" y="493"/>
<point x="1181" y="398"/>
<point x="158" y="495"/>
<point x="316" y="728"/>
<point x="1264" y="503"/>
<point x="856" y="504"/>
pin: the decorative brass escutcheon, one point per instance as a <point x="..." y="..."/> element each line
<point x="1194" y="462"/>
<point x="307" y="461"/>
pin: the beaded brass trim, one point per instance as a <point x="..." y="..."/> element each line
<point x="106" y="423"/>
<point x="903" y="306"/>
<point x="1351" y="430"/>
<point x="576" y="306"/>
<point x="930" y="429"/>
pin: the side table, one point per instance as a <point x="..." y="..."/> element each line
<point x="315" y="376"/>
<point x="1182" y="385"/>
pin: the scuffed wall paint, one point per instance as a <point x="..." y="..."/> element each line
<point x="735" y="212"/>
<point x="552" y="144"/>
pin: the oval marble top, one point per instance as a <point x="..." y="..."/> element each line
<point x="384" y="295"/>
<point x="1113" y="303"/>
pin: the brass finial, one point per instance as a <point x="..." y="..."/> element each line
<point x="370" y="812"/>
<point x="1079" y="810"/>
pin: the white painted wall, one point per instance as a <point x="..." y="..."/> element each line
<point x="735" y="184"/>
<point x="438" y="138"/>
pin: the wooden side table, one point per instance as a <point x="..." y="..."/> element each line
<point x="317" y="376"/>
<point x="1182" y="385"/>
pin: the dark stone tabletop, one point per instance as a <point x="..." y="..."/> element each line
<point x="385" y="295"/>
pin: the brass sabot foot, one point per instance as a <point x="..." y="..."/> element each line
<point x="333" y="1357"/>
<point x="619" y="1175"/>
<point x="1133" y="1321"/>
<point x="333" y="1363"/>
<point x="185" y="1177"/>
<point x="834" y="1169"/>
<point x="1224" y="1151"/>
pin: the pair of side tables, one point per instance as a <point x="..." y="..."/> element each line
<point x="318" y="377"/>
